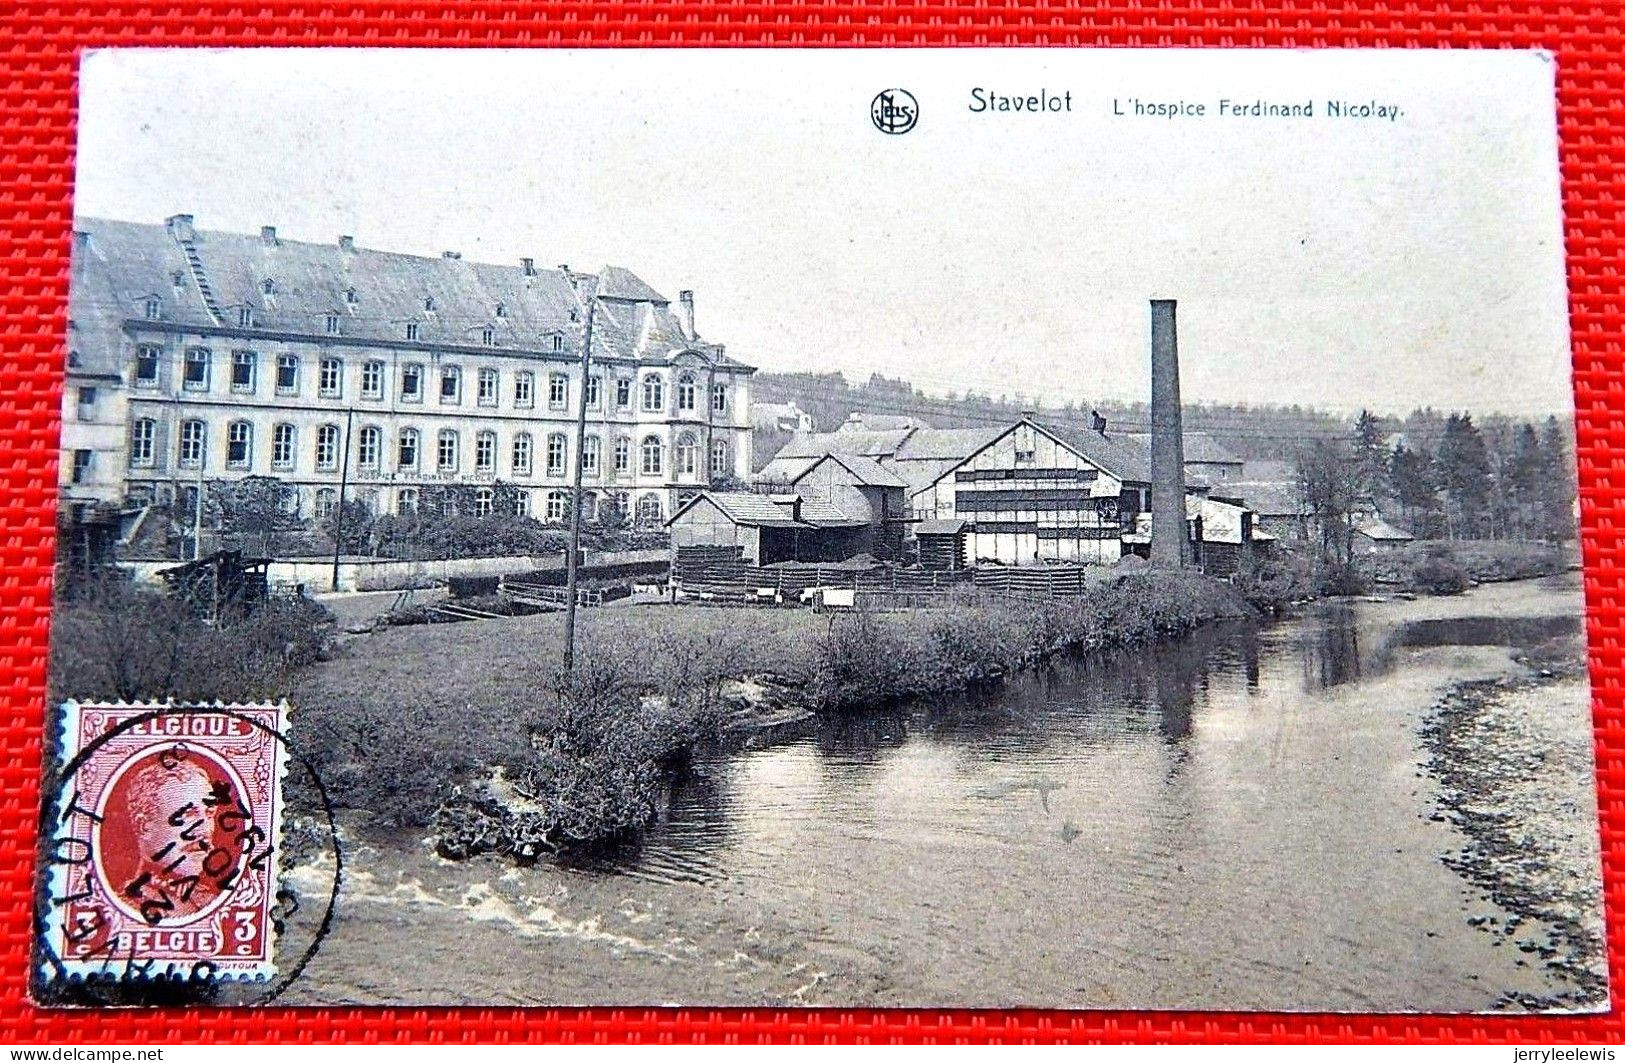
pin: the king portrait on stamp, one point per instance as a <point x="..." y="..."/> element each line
<point x="163" y="843"/>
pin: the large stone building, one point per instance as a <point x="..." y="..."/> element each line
<point x="198" y="355"/>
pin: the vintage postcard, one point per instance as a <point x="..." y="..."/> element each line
<point x="962" y="528"/>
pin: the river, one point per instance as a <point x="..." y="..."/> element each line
<point x="1240" y="819"/>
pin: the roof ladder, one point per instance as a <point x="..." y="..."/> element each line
<point x="194" y="262"/>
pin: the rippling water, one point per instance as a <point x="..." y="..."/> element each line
<point x="1242" y="792"/>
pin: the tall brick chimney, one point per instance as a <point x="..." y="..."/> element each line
<point x="1168" y="546"/>
<point x="685" y="299"/>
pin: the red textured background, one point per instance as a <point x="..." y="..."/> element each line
<point x="39" y="42"/>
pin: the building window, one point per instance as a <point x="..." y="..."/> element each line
<point x="408" y="456"/>
<point x="412" y="334"/>
<point x="239" y="445"/>
<point x="146" y="365"/>
<point x="558" y="343"/>
<point x="350" y="297"/>
<point x="412" y="383"/>
<point x="649" y="510"/>
<point x="556" y="451"/>
<point x="685" y="393"/>
<point x="654" y="394"/>
<point x="482" y="501"/>
<point x="287" y="374"/>
<point x="558" y="505"/>
<point x="623" y="393"/>
<point x="154" y="309"/>
<point x="283" y="439"/>
<point x="369" y="448"/>
<point x="83" y="462"/>
<point x="406" y="501"/>
<point x="719" y="457"/>
<point x="485" y="453"/>
<point x="326" y="502"/>
<point x="524" y="390"/>
<point x="332" y="324"/>
<point x="521" y="454"/>
<point x="331" y="378"/>
<point x="623" y="454"/>
<point x="143" y="443"/>
<point x="447" y="454"/>
<point x="372" y="380"/>
<point x="196" y="377"/>
<point x="451" y="385"/>
<point x="327" y="447"/>
<point x="558" y="391"/>
<point x="87" y="403"/>
<point x="521" y="503"/>
<point x="654" y="456"/>
<point x="428" y="304"/>
<point x="719" y="398"/>
<point x="488" y="336"/>
<point x="242" y="371"/>
<point x="267" y="287"/>
<point x="192" y="439"/>
<point x="245" y="317"/>
<point x="591" y="450"/>
<point x="487" y="392"/>
<point x="687" y="455"/>
<point x="595" y="392"/>
<point x="502" y="310"/>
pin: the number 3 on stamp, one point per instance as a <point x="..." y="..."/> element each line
<point x="162" y="843"/>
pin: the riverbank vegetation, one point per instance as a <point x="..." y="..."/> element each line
<point x="471" y="731"/>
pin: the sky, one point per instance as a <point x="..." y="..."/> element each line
<point x="1332" y="262"/>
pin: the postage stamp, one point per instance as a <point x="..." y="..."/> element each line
<point x="163" y="847"/>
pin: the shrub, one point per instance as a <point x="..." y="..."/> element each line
<point x="1342" y="580"/>
<point x="1439" y="574"/>
<point x="1270" y="585"/>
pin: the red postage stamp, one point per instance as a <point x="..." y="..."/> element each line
<point x="162" y="848"/>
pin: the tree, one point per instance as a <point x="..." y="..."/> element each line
<point x="1464" y="475"/>
<point x="1411" y="474"/>
<point x="254" y="508"/>
<point x="1330" y="482"/>
<point x="1558" y="490"/>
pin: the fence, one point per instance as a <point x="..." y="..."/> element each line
<point x="1058" y="581"/>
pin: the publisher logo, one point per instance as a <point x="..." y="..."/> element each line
<point x="894" y="111"/>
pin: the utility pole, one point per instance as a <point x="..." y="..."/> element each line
<point x="572" y="563"/>
<point x="344" y="483"/>
<point x="197" y="500"/>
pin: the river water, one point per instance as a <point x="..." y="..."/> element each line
<point x="1239" y="819"/>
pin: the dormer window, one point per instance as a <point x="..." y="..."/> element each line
<point x="332" y="324"/>
<point x="502" y="310"/>
<point x="411" y="330"/>
<point x="558" y="343"/>
<point x="488" y="336"/>
<point x="428" y="304"/>
<point x="268" y="286"/>
<point x="575" y="315"/>
<point x="350" y="297"/>
<point x="245" y="317"/>
<point x="153" y="308"/>
<point x="178" y="279"/>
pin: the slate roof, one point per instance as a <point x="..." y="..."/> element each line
<point x="941" y="444"/>
<point x="1269" y="499"/>
<point x="763" y="511"/>
<point x="869" y="444"/>
<point x="117" y="264"/>
<point x="1380" y="530"/>
<point x="1122" y="456"/>
<point x="784" y="470"/>
<point x="1200" y="448"/>
<point x="868" y="471"/>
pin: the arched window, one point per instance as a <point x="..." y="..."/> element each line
<point x="719" y="456"/>
<point x="327" y="447"/>
<point x="195" y="373"/>
<point x="326" y="500"/>
<point x="370" y="448"/>
<point x="654" y="394"/>
<point x="330" y="378"/>
<point x="521" y="454"/>
<point x="485" y="453"/>
<point x="284" y="438"/>
<point x="653" y="453"/>
<point x="239" y="445"/>
<point x="407" y="457"/>
<point x="649" y="510"/>
<point x="447" y="453"/>
<point x="192" y="440"/>
<point x="451" y="385"/>
<point x="591" y="451"/>
<point x="143" y="443"/>
<point x="406" y="501"/>
<point x="685" y="393"/>
<point x="558" y="506"/>
<point x="521" y="503"/>
<point x="719" y="398"/>
<point x="556" y="451"/>
<point x="688" y="455"/>
<point x="482" y="501"/>
<point x="623" y="454"/>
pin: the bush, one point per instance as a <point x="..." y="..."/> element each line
<point x="1271" y="584"/>
<point x="1342" y="580"/>
<point x="1438" y="573"/>
<point x="119" y="640"/>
